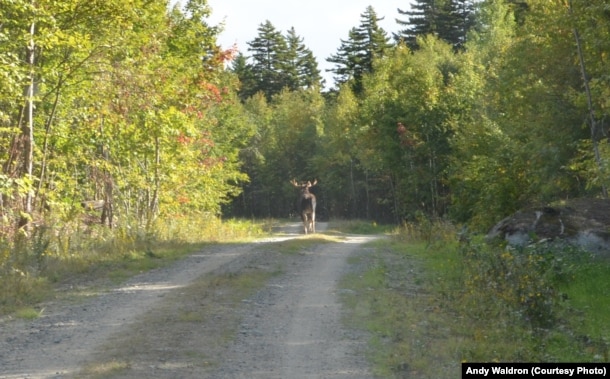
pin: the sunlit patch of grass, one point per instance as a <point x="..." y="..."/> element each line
<point x="21" y="290"/>
<point x="28" y="313"/>
<point x="105" y="369"/>
<point x="358" y="227"/>
<point x="70" y="252"/>
<point x="390" y="301"/>
<point x="323" y="238"/>
<point x="209" y="229"/>
<point x="301" y="245"/>
<point x="204" y="317"/>
<point x="429" y="307"/>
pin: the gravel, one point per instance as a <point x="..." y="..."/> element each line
<point x="291" y="328"/>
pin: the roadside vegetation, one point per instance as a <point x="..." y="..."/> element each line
<point x="214" y="318"/>
<point x="430" y="304"/>
<point x="209" y="310"/>
<point x="95" y="255"/>
<point x="126" y="131"/>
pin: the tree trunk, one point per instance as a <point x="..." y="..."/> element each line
<point x="28" y="133"/>
<point x="592" y="119"/>
<point x="45" y="146"/>
<point x="153" y="204"/>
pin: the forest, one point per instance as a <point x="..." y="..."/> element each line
<point x="128" y="114"/>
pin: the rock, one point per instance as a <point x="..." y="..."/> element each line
<point x="580" y="222"/>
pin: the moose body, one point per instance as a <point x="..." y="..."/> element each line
<point x="307" y="205"/>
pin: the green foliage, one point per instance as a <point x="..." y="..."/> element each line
<point x="522" y="282"/>
<point x="516" y="147"/>
<point x="356" y="55"/>
<point x="423" y="229"/>
<point x="278" y="62"/>
<point x="473" y="133"/>
<point x="337" y="162"/>
<point x="450" y="20"/>
<point x="133" y="109"/>
<point x="28" y="313"/>
<point x="405" y="135"/>
<point x="474" y="302"/>
<point x="71" y="251"/>
<point x="587" y="292"/>
<point x="289" y="129"/>
<point x="536" y="291"/>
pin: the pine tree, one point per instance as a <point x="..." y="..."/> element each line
<point x="422" y="20"/>
<point x="309" y="73"/>
<point x="301" y="68"/>
<point x="277" y="62"/>
<point x="449" y="20"/>
<point x="346" y="58"/>
<point x="269" y="51"/>
<point x="243" y="70"/>
<point x="356" y="55"/>
<point x="460" y="19"/>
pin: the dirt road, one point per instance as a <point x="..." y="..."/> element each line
<point x="180" y="321"/>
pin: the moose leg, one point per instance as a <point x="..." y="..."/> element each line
<point x="304" y="218"/>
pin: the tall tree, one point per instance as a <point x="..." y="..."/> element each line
<point x="268" y="51"/>
<point x="284" y="147"/>
<point x="404" y="134"/>
<point x="422" y="19"/>
<point x="121" y="90"/>
<point x="301" y="66"/>
<point x="590" y="31"/>
<point x="461" y="19"/>
<point x="248" y="85"/>
<point x="524" y="143"/>
<point x="449" y="20"/>
<point x="277" y="62"/>
<point x="337" y="163"/>
<point x="356" y="55"/>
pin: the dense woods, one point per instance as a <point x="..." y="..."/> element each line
<point x="474" y="110"/>
<point x="129" y="113"/>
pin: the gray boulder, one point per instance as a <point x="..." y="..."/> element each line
<point x="580" y="222"/>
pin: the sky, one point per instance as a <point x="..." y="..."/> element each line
<point x="321" y="23"/>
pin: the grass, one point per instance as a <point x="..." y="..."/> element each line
<point x="28" y="313"/>
<point x="68" y="253"/>
<point x="429" y="304"/>
<point x="589" y="295"/>
<point x="358" y="227"/>
<point x="391" y="301"/>
<point x="301" y="244"/>
<point x="204" y="318"/>
<point x="106" y="369"/>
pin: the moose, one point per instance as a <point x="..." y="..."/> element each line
<point x="306" y="205"/>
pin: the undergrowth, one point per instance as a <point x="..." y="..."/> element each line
<point x="431" y="302"/>
<point x="358" y="227"/>
<point x="57" y="252"/>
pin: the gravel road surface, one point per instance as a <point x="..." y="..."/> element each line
<point x="291" y="328"/>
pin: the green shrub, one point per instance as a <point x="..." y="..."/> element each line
<point x="523" y="281"/>
<point x="59" y="249"/>
<point x="430" y="306"/>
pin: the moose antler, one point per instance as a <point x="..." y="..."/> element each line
<point x="308" y="184"/>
